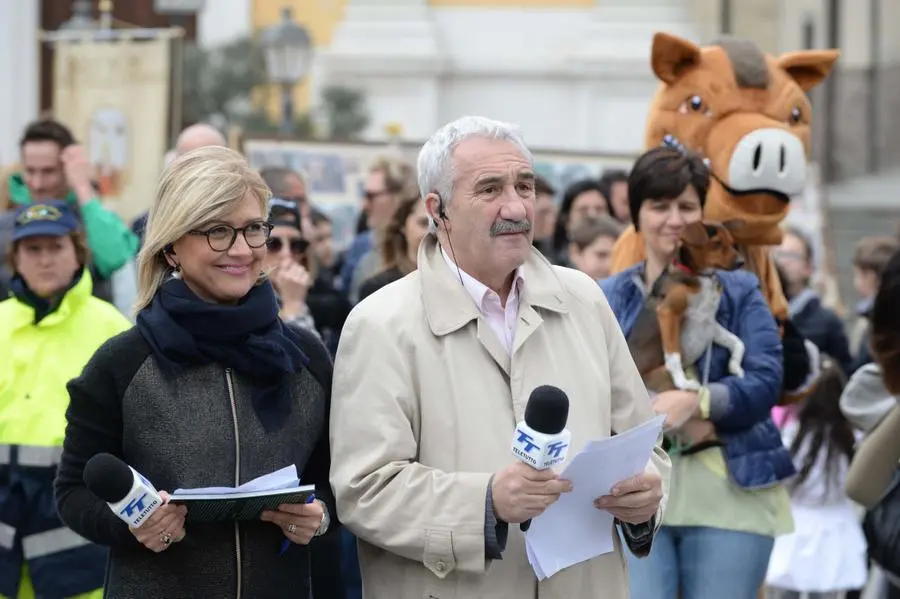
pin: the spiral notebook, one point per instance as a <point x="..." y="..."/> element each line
<point x="245" y="502"/>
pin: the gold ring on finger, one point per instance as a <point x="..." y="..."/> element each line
<point x="166" y="539"/>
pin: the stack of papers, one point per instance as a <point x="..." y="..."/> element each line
<point x="286" y="478"/>
<point x="572" y="530"/>
<point x="246" y="502"/>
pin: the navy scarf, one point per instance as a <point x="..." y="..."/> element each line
<point x="183" y="330"/>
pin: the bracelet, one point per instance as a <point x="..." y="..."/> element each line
<point x="326" y="520"/>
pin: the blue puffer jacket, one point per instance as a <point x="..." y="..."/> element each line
<point x="739" y="407"/>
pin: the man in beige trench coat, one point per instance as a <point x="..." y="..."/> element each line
<point x="433" y="372"/>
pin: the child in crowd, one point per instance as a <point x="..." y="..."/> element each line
<point x="826" y="553"/>
<point x="869" y="260"/>
<point x="591" y="243"/>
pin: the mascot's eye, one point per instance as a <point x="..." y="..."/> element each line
<point x="695" y="104"/>
<point x="796" y="116"/>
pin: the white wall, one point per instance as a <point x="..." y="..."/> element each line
<point x="222" y="21"/>
<point x="19" y="72"/>
<point x="572" y="78"/>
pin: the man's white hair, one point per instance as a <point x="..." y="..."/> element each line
<point x="435" y="164"/>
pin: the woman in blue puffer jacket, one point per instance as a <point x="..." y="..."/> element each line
<point x="726" y="502"/>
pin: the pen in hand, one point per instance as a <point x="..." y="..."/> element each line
<point x="286" y="543"/>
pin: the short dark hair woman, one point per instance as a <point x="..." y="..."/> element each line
<point x="728" y="460"/>
<point x="210" y="389"/>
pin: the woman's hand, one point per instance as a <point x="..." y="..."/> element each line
<point x="678" y="406"/>
<point x="292" y="282"/>
<point x="164" y="526"/>
<point x="696" y="430"/>
<point x="298" y="521"/>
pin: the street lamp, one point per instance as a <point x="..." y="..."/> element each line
<point x="81" y="20"/>
<point x="288" y="54"/>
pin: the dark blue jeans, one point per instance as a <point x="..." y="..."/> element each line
<point x="693" y="562"/>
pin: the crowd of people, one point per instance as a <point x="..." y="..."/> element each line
<point x="223" y="335"/>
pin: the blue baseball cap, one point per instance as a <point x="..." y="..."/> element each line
<point x="51" y="219"/>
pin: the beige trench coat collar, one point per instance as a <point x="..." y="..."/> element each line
<point x="449" y="307"/>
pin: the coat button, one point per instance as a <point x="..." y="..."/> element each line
<point x="440" y="566"/>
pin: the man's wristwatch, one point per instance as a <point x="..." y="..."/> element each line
<point x="326" y="520"/>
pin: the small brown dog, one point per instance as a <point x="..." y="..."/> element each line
<point x="678" y="321"/>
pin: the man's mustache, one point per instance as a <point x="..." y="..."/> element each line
<point x="506" y="227"/>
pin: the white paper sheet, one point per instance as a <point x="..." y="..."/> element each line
<point x="284" y="478"/>
<point x="572" y="530"/>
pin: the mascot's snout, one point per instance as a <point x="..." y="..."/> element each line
<point x="769" y="160"/>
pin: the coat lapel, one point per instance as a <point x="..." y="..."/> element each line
<point x="449" y="307"/>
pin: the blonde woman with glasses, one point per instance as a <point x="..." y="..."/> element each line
<point x="209" y="389"/>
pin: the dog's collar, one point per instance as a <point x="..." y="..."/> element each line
<point x="680" y="266"/>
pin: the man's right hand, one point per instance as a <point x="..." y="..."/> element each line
<point x="520" y="492"/>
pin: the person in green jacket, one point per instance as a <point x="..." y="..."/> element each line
<point x="55" y="167"/>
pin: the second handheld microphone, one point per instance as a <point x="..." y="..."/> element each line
<point x="129" y="495"/>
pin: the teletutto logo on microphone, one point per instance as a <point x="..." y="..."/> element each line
<point x="128" y="494"/>
<point x="541" y="440"/>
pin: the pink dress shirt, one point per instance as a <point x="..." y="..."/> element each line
<point x="502" y="319"/>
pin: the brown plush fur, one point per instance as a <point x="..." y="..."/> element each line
<point x="742" y="89"/>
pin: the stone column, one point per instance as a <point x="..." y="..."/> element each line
<point x="390" y="51"/>
<point x="19" y="69"/>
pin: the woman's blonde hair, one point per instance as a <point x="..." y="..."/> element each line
<point x="198" y="187"/>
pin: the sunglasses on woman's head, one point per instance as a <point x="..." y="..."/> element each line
<point x="283" y="204"/>
<point x="298" y="245"/>
<point x="284" y="210"/>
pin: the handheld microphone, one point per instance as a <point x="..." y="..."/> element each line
<point x="128" y="494"/>
<point x="541" y="440"/>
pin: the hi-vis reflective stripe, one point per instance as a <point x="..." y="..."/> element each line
<point x="31" y="455"/>
<point x="52" y="541"/>
<point x="7" y="536"/>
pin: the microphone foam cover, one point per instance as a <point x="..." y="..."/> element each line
<point x="547" y="410"/>
<point x="108" y="477"/>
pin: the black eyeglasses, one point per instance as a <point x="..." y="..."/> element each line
<point x="298" y="245"/>
<point x="222" y="237"/>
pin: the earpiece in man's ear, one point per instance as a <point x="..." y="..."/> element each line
<point x="441" y="214"/>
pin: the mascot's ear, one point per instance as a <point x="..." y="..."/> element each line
<point x="672" y="55"/>
<point x="808" y="67"/>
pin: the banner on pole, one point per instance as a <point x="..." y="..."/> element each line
<point x="115" y="95"/>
